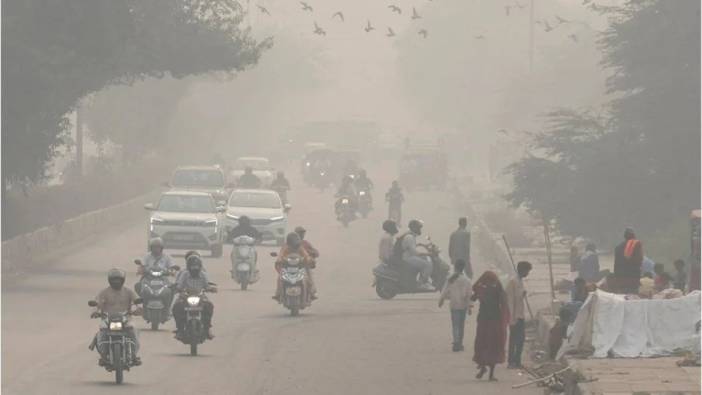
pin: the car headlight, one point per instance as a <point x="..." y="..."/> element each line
<point x="115" y="326"/>
<point x="232" y="216"/>
<point x="362" y="193"/>
<point x="193" y="300"/>
<point x="280" y="218"/>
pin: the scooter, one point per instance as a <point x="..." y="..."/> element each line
<point x="294" y="291"/>
<point x="395" y="278"/>
<point x="117" y="350"/>
<point x="243" y="258"/>
<point x="345" y="211"/>
<point x="157" y="295"/>
<point x="195" y="332"/>
<point x="365" y="202"/>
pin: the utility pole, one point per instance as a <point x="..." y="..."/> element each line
<point x="79" y="139"/>
<point x="531" y="36"/>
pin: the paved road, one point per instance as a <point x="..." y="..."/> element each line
<point x="349" y="342"/>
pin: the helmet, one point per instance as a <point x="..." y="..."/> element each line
<point x="390" y="226"/>
<point x="300" y="230"/>
<point x="415" y="226"/>
<point x="293" y="240"/>
<point x="194" y="262"/>
<point x="155" y="242"/>
<point x="116" y="278"/>
<point x="190" y="253"/>
<point x="244" y="220"/>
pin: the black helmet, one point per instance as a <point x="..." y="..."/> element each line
<point x="191" y="253"/>
<point x="293" y="240"/>
<point x="116" y="278"/>
<point x="415" y="226"/>
<point x="194" y="262"/>
<point x="390" y="226"/>
<point x="300" y="231"/>
<point x="244" y="220"/>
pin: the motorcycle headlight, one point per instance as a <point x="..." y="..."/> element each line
<point x="115" y="326"/>
<point x="322" y="173"/>
<point x="362" y="193"/>
<point x="156" y="274"/>
<point x="308" y="164"/>
<point x="345" y="201"/>
<point x="280" y="218"/>
<point x="193" y="300"/>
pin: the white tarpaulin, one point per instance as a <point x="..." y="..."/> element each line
<point x="635" y="328"/>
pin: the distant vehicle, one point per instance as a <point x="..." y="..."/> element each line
<point x="423" y="168"/>
<point x="208" y="179"/>
<point x="261" y="168"/>
<point x="264" y="208"/>
<point x="313" y="146"/>
<point x="187" y="220"/>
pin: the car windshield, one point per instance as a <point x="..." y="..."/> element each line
<point x="198" y="178"/>
<point x="255" y="164"/>
<point x="186" y="204"/>
<point x="254" y="199"/>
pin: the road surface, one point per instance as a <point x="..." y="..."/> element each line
<point x="348" y="342"/>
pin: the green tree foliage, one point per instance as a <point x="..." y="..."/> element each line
<point x="640" y="163"/>
<point x="56" y="52"/>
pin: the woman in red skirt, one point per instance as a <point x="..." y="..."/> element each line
<point x="493" y="318"/>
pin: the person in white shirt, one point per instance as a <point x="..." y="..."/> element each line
<point x="458" y="291"/>
<point x="387" y="242"/>
<point x="516" y="294"/>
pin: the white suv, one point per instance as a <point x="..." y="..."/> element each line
<point x="187" y="220"/>
<point x="265" y="209"/>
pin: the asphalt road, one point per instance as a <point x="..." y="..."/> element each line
<point x="349" y="341"/>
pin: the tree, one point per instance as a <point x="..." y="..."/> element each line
<point x="56" y="52"/>
<point x="639" y="163"/>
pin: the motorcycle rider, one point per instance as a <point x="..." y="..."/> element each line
<point x="395" y="198"/>
<point x="293" y="245"/>
<point x="347" y="190"/>
<point x="154" y="260"/>
<point x="194" y="280"/>
<point x="244" y="228"/>
<point x="362" y="182"/>
<point x="111" y="300"/>
<point x="281" y="185"/>
<point x="406" y="249"/>
<point x="249" y="179"/>
<point x="314" y="254"/>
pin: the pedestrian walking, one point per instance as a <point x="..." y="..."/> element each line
<point x="516" y="294"/>
<point x="459" y="245"/>
<point x="628" y="257"/>
<point x="458" y="292"/>
<point x="493" y="317"/>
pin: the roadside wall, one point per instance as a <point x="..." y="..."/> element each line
<point x="35" y="247"/>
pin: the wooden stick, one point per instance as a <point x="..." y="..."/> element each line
<point x="550" y="376"/>
<point x="511" y="258"/>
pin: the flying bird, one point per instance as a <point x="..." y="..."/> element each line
<point x="318" y="30"/>
<point x="561" y="20"/>
<point x="306" y="7"/>
<point x="415" y="15"/>
<point x="395" y="8"/>
<point x="339" y="14"/>
<point x="368" y="27"/>
<point x="479" y="37"/>
<point x="547" y="27"/>
<point x="391" y="33"/>
<point x="573" y="37"/>
<point x="424" y="33"/>
<point x="507" y="9"/>
<point x="263" y="9"/>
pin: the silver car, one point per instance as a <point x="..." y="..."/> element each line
<point x="267" y="212"/>
<point x="187" y="220"/>
<point x="208" y="179"/>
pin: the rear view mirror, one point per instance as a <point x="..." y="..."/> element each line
<point x="92" y="303"/>
<point x="149" y="206"/>
<point x="274" y="254"/>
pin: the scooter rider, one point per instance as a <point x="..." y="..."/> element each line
<point x="194" y="279"/>
<point x="116" y="299"/>
<point x="293" y="245"/>
<point x="347" y="190"/>
<point x="314" y="254"/>
<point x="362" y="182"/>
<point x="407" y="246"/>
<point x="244" y="228"/>
<point x="249" y="179"/>
<point x="281" y="185"/>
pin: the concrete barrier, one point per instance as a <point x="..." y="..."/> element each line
<point x="34" y="247"/>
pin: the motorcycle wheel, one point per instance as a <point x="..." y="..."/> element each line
<point x="193" y="348"/>
<point x="385" y="290"/>
<point x="154" y="325"/>
<point x="117" y="361"/>
<point x="244" y="285"/>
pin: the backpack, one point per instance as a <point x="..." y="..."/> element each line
<point x="397" y="249"/>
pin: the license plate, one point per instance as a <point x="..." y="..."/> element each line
<point x="293" y="291"/>
<point x="183" y="237"/>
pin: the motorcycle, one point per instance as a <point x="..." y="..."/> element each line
<point x="243" y="258"/>
<point x="156" y="294"/>
<point x="195" y="332"/>
<point x="117" y="349"/>
<point x="294" y="293"/>
<point x="365" y="202"/>
<point x="395" y="278"/>
<point x="321" y="178"/>
<point x="345" y="212"/>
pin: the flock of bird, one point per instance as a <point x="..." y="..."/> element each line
<point x="544" y="23"/>
<point x="367" y="28"/>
